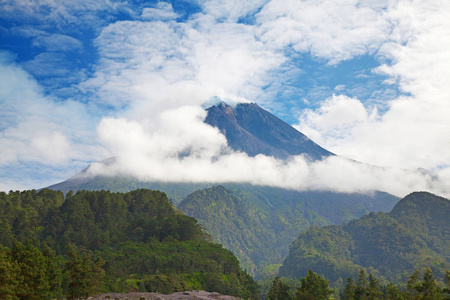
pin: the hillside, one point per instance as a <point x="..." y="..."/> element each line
<point x="259" y="223"/>
<point x="414" y="235"/>
<point x="139" y="240"/>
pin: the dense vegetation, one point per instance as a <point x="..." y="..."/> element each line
<point x="414" y="235"/>
<point x="363" y="287"/>
<point x="259" y="223"/>
<point x="54" y="246"/>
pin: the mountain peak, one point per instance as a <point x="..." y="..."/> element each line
<point x="253" y="130"/>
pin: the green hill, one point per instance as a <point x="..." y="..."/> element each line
<point x="414" y="235"/>
<point x="259" y="223"/>
<point x="145" y="243"/>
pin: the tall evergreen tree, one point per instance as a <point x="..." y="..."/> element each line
<point x="393" y="292"/>
<point x="361" y="285"/>
<point x="9" y="270"/>
<point x="373" y="289"/>
<point x="349" y="290"/>
<point x="413" y="285"/>
<point x="313" y="287"/>
<point x="83" y="274"/>
<point x="446" y="290"/>
<point x="33" y="281"/>
<point x="429" y="288"/>
<point x="279" y="290"/>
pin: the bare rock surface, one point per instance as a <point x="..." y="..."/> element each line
<point x="192" y="295"/>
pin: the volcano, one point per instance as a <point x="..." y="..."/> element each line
<point x="253" y="130"/>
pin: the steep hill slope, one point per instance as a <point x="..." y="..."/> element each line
<point x="259" y="223"/>
<point x="414" y="235"/>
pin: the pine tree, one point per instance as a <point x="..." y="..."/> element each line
<point x="349" y="289"/>
<point x="446" y="290"/>
<point x="361" y="286"/>
<point x="9" y="271"/>
<point x="83" y="274"/>
<point x="412" y="286"/>
<point x="279" y="290"/>
<point x="53" y="272"/>
<point x="393" y="292"/>
<point x="373" y="290"/>
<point x="313" y="287"/>
<point x="34" y="283"/>
<point x="429" y="288"/>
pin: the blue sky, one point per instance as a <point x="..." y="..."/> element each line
<point x="365" y="79"/>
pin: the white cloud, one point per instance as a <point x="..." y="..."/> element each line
<point x="38" y="131"/>
<point x="57" y="42"/>
<point x="63" y="13"/>
<point x="230" y="10"/>
<point x="330" y="30"/>
<point x="162" y="11"/>
<point x="152" y="66"/>
<point x="48" y="64"/>
<point x="149" y="67"/>
<point x="414" y="130"/>
<point x="179" y="147"/>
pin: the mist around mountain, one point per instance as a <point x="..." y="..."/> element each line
<point x="247" y="128"/>
<point x="415" y="235"/>
<point x="256" y="222"/>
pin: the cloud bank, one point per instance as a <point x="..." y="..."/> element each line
<point x="155" y="65"/>
<point x="38" y="133"/>
<point x="179" y="147"/>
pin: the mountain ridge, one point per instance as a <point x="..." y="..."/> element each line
<point x="415" y="234"/>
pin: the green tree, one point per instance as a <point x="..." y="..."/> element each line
<point x="53" y="272"/>
<point x="83" y="274"/>
<point x="279" y="290"/>
<point x="361" y="285"/>
<point x="413" y="286"/>
<point x="349" y="290"/>
<point x="373" y="289"/>
<point x="33" y="281"/>
<point x="446" y="290"/>
<point x="393" y="292"/>
<point x="9" y="271"/>
<point x="429" y="288"/>
<point x="313" y="287"/>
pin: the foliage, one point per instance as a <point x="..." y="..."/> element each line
<point x="313" y="287"/>
<point x="258" y="223"/>
<point x="415" y="235"/>
<point x="279" y="290"/>
<point x="91" y="242"/>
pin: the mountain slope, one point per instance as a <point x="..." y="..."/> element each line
<point x="259" y="223"/>
<point x="414" y="235"/>
<point x="253" y="130"/>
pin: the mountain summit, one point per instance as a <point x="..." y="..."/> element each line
<point x="253" y="130"/>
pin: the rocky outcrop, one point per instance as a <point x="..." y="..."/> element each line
<point x="191" y="295"/>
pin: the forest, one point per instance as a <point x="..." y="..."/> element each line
<point x="55" y="246"/>
<point x="75" y="245"/>
<point x="415" y="235"/>
<point x="363" y="287"/>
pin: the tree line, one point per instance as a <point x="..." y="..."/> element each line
<point x="316" y="287"/>
<point x="54" y="245"/>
